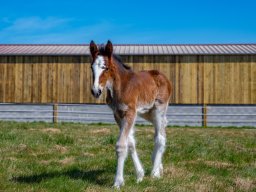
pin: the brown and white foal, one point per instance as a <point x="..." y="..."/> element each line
<point x="129" y="94"/>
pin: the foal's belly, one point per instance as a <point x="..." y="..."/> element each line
<point x="142" y="109"/>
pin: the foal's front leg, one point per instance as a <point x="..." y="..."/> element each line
<point x="126" y="122"/>
<point x="137" y="164"/>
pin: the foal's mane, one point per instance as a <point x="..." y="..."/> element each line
<point x="117" y="58"/>
<point x="120" y="62"/>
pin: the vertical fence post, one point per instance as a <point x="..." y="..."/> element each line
<point x="55" y="113"/>
<point x="204" y="116"/>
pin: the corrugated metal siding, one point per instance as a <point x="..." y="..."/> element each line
<point x="203" y="49"/>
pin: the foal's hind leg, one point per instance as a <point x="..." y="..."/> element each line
<point x="160" y="122"/>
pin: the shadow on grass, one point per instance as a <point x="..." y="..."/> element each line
<point x="92" y="176"/>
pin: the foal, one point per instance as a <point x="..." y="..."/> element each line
<point x="129" y="94"/>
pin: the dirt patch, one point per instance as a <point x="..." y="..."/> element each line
<point x="22" y="147"/>
<point x="217" y="164"/>
<point x="146" y="130"/>
<point x="12" y="159"/>
<point x="61" y="149"/>
<point x="239" y="147"/>
<point x="150" y="189"/>
<point x="201" y="187"/>
<point x="233" y="132"/>
<point x="47" y="130"/>
<point x="100" y="131"/>
<point x="67" y="161"/>
<point x="89" y="154"/>
<point x="173" y="171"/>
<point x="51" y="130"/>
<point x="245" y="184"/>
<point x="45" y="162"/>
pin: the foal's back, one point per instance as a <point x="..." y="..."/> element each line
<point x="145" y="87"/>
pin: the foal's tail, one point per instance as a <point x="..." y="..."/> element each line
<point x="163" y="84"/>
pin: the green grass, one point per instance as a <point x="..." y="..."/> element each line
<point x="80" y="157"/>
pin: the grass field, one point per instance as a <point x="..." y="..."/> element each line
<point x="79" y="157"/>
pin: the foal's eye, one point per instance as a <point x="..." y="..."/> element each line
<point x="104" y="68"/>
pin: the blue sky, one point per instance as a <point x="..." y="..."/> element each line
<point x="133" y="21"/>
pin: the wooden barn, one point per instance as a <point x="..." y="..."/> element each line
<point x="201" y="74"/>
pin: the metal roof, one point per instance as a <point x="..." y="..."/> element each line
<point x="130" y="49"/>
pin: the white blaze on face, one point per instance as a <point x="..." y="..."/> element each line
<point x="98" y="67"/>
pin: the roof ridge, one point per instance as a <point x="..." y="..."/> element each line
<point x="186" y="44"/>
<point x="130" y="49"/>
<point x="43" y="44"/>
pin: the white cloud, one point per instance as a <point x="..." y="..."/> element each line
<point x="74" y="35"/>
<point x="55" y="30"/>
<point x="35" y="24"/>
<point x="24" y="30"/>
<point x="63" y="30"/>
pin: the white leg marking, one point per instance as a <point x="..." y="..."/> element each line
<point x="121" y="151"/>
<point x="160" y="140"/>
<point x="158" y="153"/>
<point x="137" y="164"/>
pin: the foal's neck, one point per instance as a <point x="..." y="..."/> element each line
<point x="120" y="77"/>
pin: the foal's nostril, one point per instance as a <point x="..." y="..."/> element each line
<point x="96" y="93"/>
<point x="99" y="93"/>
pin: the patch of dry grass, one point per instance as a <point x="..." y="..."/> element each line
<point x="245" y="184"/>
<point x="102" y="130"/>
<point x="51" y="130"/>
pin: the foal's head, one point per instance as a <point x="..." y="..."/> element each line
<point x="100" y="67"/>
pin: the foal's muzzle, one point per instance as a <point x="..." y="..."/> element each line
<point x="96" y="92"/>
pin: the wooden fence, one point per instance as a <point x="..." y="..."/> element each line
<point x="216" y="79"/>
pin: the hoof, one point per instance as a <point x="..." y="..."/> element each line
<point x="156" y="174"/>
<point x="140" y="176"/>
<point x="161" y="169"/>
<point x="118" y="183"/>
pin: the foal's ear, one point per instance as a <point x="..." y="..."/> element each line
<point x="109" y="48"/>
<point x="93" y="49"/>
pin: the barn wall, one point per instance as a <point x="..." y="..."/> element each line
<point x="67" y="79"/>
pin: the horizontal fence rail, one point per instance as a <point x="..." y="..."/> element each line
<point x="177" y="115"/>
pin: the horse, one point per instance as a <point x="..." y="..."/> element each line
<point x="145" y="93"/>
